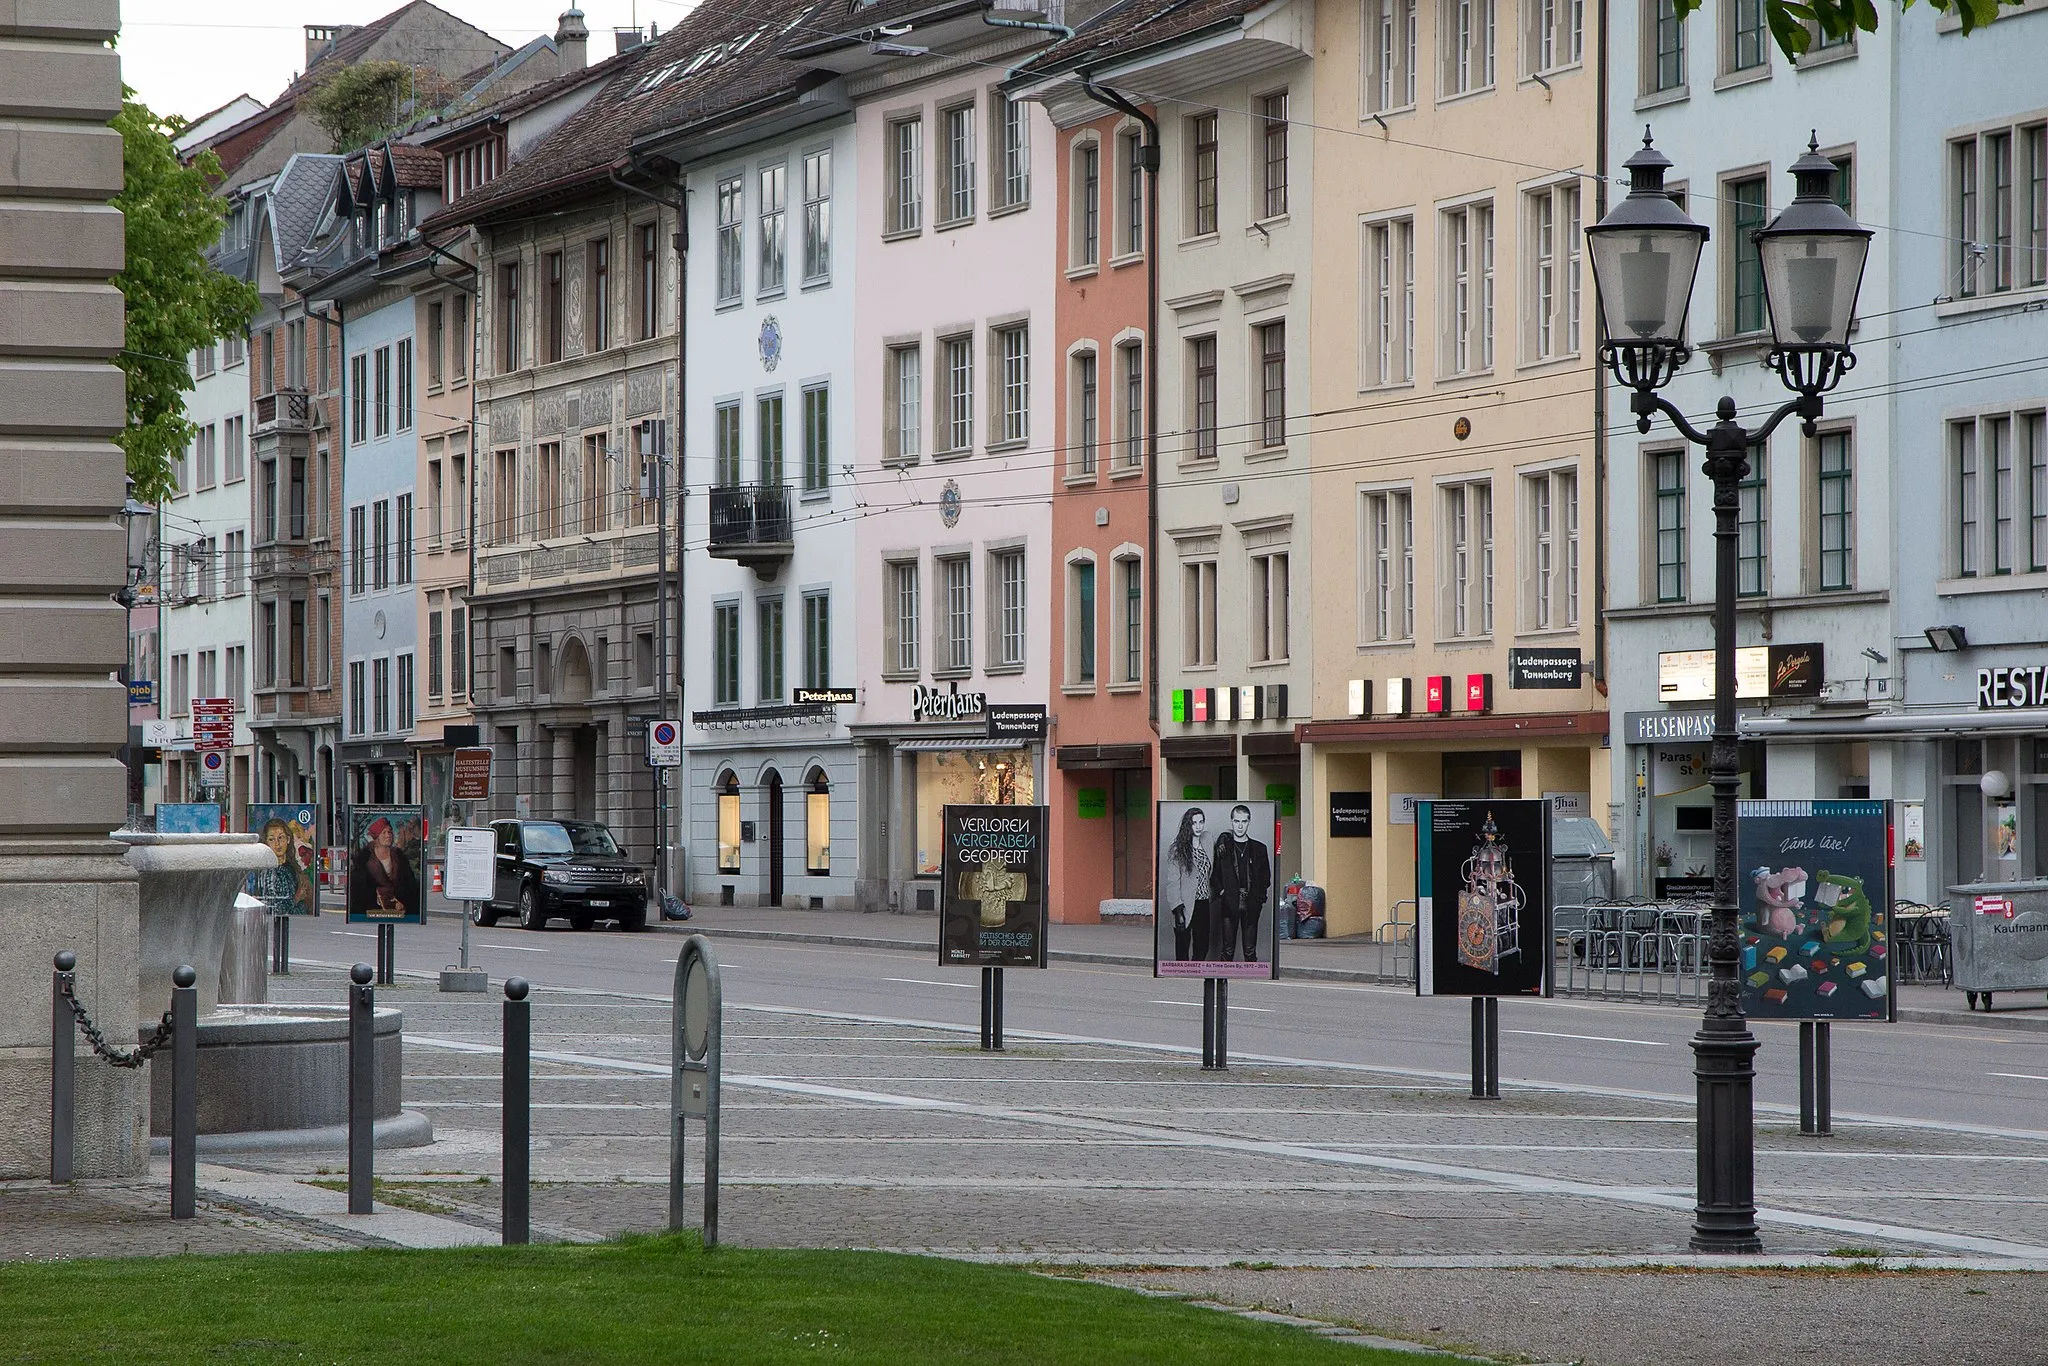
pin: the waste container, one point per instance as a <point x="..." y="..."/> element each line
<point x="2000" y="936"/>
<point x="1302" y="911"/>
<point x="1581" y="863"/>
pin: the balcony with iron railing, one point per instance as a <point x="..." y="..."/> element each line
<point x="752" y="524"/>
<point x="286" y="410"/>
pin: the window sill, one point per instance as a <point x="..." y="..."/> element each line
<point x="1015" y="443"/>
<point x="900" y="675"/>
<point x="1263" y="227"/>
<point x="1083" y="272"/>
<point x="1267" y="455"/>
<point x="1200" y="239"/>
<point x="1655" y="610"/>
<point x="1825" y="56"/>
<point x="1132" y="689"/>
<point x="1720" y="349"/>
<point x="995" y="670"/>
<point x="1077" y="689"/>
<point x="1129" y="258"/>
<point x="941" y="457"/>
<point x="903" y="234"/>
<point x="1086" y="480"/>
<point x="943" y="675"/>
<point x="1729" y="80"/>
<point x="1463" y="642"/>
<point x="770" y="296"/>
<point x="1127" y="472"/>
<point x="2029" y="296"/>
<point x="1004" y="210"/>
<point x="1463" y="378"/>
<point x="1208" y="668"/>
<point x="1395" y="111"/>
<point x="1657" y="99"/>
<point x="1546" y="364"/>
<point x="900" y="462"/>
<point x="949" y="224"/>
<point x="1199" y="465"/>
<point x="1381" y="647"/>
<point x="1461" y="96"/>
<point x="1392" y="387"/>
<point x="1545" y="632"/>
<point x="815" y="496"/>
<point x="1268" y="663"/>
<point x="2030" y="581"/>
<point x="1552" y="73"/>
<point x="821" y="282"/>
<point x="727" y="305"/>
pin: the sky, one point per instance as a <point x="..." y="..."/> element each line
<point x="183" y="58"/>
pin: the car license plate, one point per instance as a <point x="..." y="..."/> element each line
<point x="600" y="903"/>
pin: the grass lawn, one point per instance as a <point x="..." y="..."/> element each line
<point x="643" y="1300"/>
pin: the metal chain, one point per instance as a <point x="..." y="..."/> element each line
<point x="134" y="1057"/>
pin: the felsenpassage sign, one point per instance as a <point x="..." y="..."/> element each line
<point x="1482" y="896"/>
<point x="992" y="904"/>
<point x="1815" y="888"/>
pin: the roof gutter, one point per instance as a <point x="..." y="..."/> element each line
<point x="1035" y="25"/>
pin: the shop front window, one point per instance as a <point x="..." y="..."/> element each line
<point x="818" y="824"/>
<point x="728" y="823"/>
<point x="966" y="778"/>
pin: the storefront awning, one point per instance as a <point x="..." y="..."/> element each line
<point x="957" y="746"/>
<point x="1894" y="724"/>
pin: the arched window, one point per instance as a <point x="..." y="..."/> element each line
<point x="817" y="823"/>
<point x="728" y="822"/>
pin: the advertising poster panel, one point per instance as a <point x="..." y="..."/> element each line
<point x="992" y="905"/>
<point x="1814" y="883"/>
<point x="1218" y="895"/>
<point x="190" y="818"/>
<point x="386" y="872"/>
<point x="1482" y="897"/>
<point x="288" y="828"/>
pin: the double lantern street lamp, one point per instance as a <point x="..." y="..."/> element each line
<point x="1646" y="253"/>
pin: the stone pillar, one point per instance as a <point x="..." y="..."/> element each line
<point x="63" y="638"/>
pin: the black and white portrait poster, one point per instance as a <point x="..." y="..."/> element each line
<point x="992" y="905"/>
<point x="1217" y="899"/>
<point x="1482" y="898"/>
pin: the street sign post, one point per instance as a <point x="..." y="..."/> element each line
<point x="665" y="744"/>
<point x="470" y="877"/>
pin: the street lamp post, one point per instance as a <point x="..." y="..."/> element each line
<point x="1646" y="253"/>
<point x="140" y="521"/>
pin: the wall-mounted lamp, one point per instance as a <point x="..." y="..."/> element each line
<point x="1948" y="639"/>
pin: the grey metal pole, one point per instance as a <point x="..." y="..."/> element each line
<point x="468" y="912"/>
<point x="63" y="1066"/>
<point x="517" y="1111"/>
<point x="678" y="1172"/>
<point x="362" y="1088"/>
<point x="999" y="1009"/>
<point x="1208" y="1024"/>
<point x="711" y="1086"/>
<point x="1222" y="1023"/>
<point x="184" y="1093"/>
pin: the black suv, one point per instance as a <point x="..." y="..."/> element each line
<point x="564" y="868"/>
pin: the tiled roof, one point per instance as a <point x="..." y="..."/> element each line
<point x="350" y="48"/>
<point x="719" y="57"/>
<point x="416" y="167"/>
<point x="298" y="197"/>
<point x="1134" y="26"/>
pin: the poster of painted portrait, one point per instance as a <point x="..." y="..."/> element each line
<point x="288" y="829"/>
<point x="992" y="905"/>
<point x="1216" y="902"/>
<point x="1482" y="897"/>
<point x="1814" y="883"/>
<point x="386" y="865"/>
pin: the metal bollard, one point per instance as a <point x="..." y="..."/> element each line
<point x="362" y="1087"/>
<point x="387" y="955"/>
<point x="63" y="1066"/>
<point x="517" y="1112"/>
<point x="281" y="947"/>
<point x="184" y="1093"/>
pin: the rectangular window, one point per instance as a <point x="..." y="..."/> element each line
<point x="725" y="654"/>
<point x="458" y="654"/>
<point x="1390" y="573"/>
<point x="1834" y="477"/>
<point x="359" y="549"/>
<point x="817" y="640"/>
<point x="817" y="439"/>
<point x="647" y="277"/>
<point x="1468" y="42"/>
<point x="1132" y="168"/>
<point x="547" y="491"/>
<point x="956" y="623"/>
<point x="238" y="675"/>
<point x="434" y="673"/>
<point x="2034" y="141"/>
<point x="238" y="563"/>
<point x="768" y="438"/>
<point x="1013" y="383"/>
<point x="1198" y="614"/>
<point x="1133" y="354"/>
<point x="594" y="507"/>
<point x="358" y="398"/>
<point x="1087" y="204"/>
<point x="1273" y="139"/>
<point x="204" y="458"/>
<point x="1748" y="40"/>
<point x="906" y="625"/>
<point x="2034" y="449"/>
<point x="267" y="503"/>
<point x="405" y="384"/>
<point x="234" y="449"/>
<point x="1468" y="289"/>
<point x="1008" y="642"/>
<point x="380" y="692"/>
<point x="1202" y="361"/>
<point x="380" y="544"/>
<point x="1553" y="272"/>
<point x="768" y="649"/>
<point x="551" y="306"/>
<point x="404" y="541"/>
<point x="956" y="401"/>
<point x="958" y="189"/>
<point x="1745" y="205"/>
<point x="505" y="498"/>
<point x="1012" y="179"/>
<point x="1390" y="302"/>
<point x="1465" y="588"/>
<point x="818" y="215"/>
<point x="731" y="218"/>
<point x="1272" y="339"/>
<point x="1202" y="174"/>
<point x="508" y="316"/>
<point x="1086" y="421"/>
<point x="458" y="354"/>
<point x="1555" y="34"/>
<point x="437" y="342"/>
<point x="1664" y="54"/>
<point x="1999" y="182"/>
<point x="1390" y="37"/>
<point x="597" y="269"/>
<point x="1081" y="622"/>
<point x="725" y="445"/>
<point x="1269" y="607"/>
<point x="1752" y="530"/>
<point x="266" y="645"/>
<point x="904" y="396"/>
<point x="1551" y="566"/>
<point x="358" y="698"/>
<point x="773" y="267"/>
<point x="906" y="175"/>
<point x="1668" y="475"/>
<point x="1133" y="572"/>
<point x="407" y="684"/>
<point x="1995" y="436"/>
<point x="383" y="382"/>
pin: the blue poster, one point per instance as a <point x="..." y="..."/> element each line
<point x="188" y="818"/>
<point x="1814" y="885"/>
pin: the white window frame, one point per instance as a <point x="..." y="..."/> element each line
<point x="1549" y="599"/>
<point x="1387" y="279"/>
<point x="1387" y="570"/>
<point x="1467" y="234"/>
<point x="1465" y="561"/>
<point x="1468" y="42"/>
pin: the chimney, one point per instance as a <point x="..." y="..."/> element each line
<point x="627" y="38"/>
<point x="572" y="40"/>
<point x="320" y="39"/>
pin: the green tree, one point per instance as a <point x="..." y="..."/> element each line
<point x="356" y="105"/>
<point x="177" y="301"/>
<point x="1789" y="19"/>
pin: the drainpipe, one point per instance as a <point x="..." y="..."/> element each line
<point x="1059" y="31"/>
<point x="1600" y="385"/>
<point x="1149" y="159"/>
<point x="682" y="245"/>
<point x="327" y="784"/>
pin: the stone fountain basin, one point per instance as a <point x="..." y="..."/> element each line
<point x="189" y="886"/>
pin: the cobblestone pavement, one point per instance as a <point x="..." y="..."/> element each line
<point x="851" y="1132"/>
<point x="40" y="1222"/>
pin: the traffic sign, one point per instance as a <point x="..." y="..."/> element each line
<point x="665" y="744"/>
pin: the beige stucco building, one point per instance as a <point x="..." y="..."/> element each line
<point x="1455" y="469"/>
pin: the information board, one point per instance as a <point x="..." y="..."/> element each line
<point x="472" y="864"/>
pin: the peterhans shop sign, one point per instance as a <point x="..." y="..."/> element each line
<point x="2024" y="685"/>
<point x="929" y="704"/>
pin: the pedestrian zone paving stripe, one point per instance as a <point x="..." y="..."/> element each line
<point x="1517" y="1183"/>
